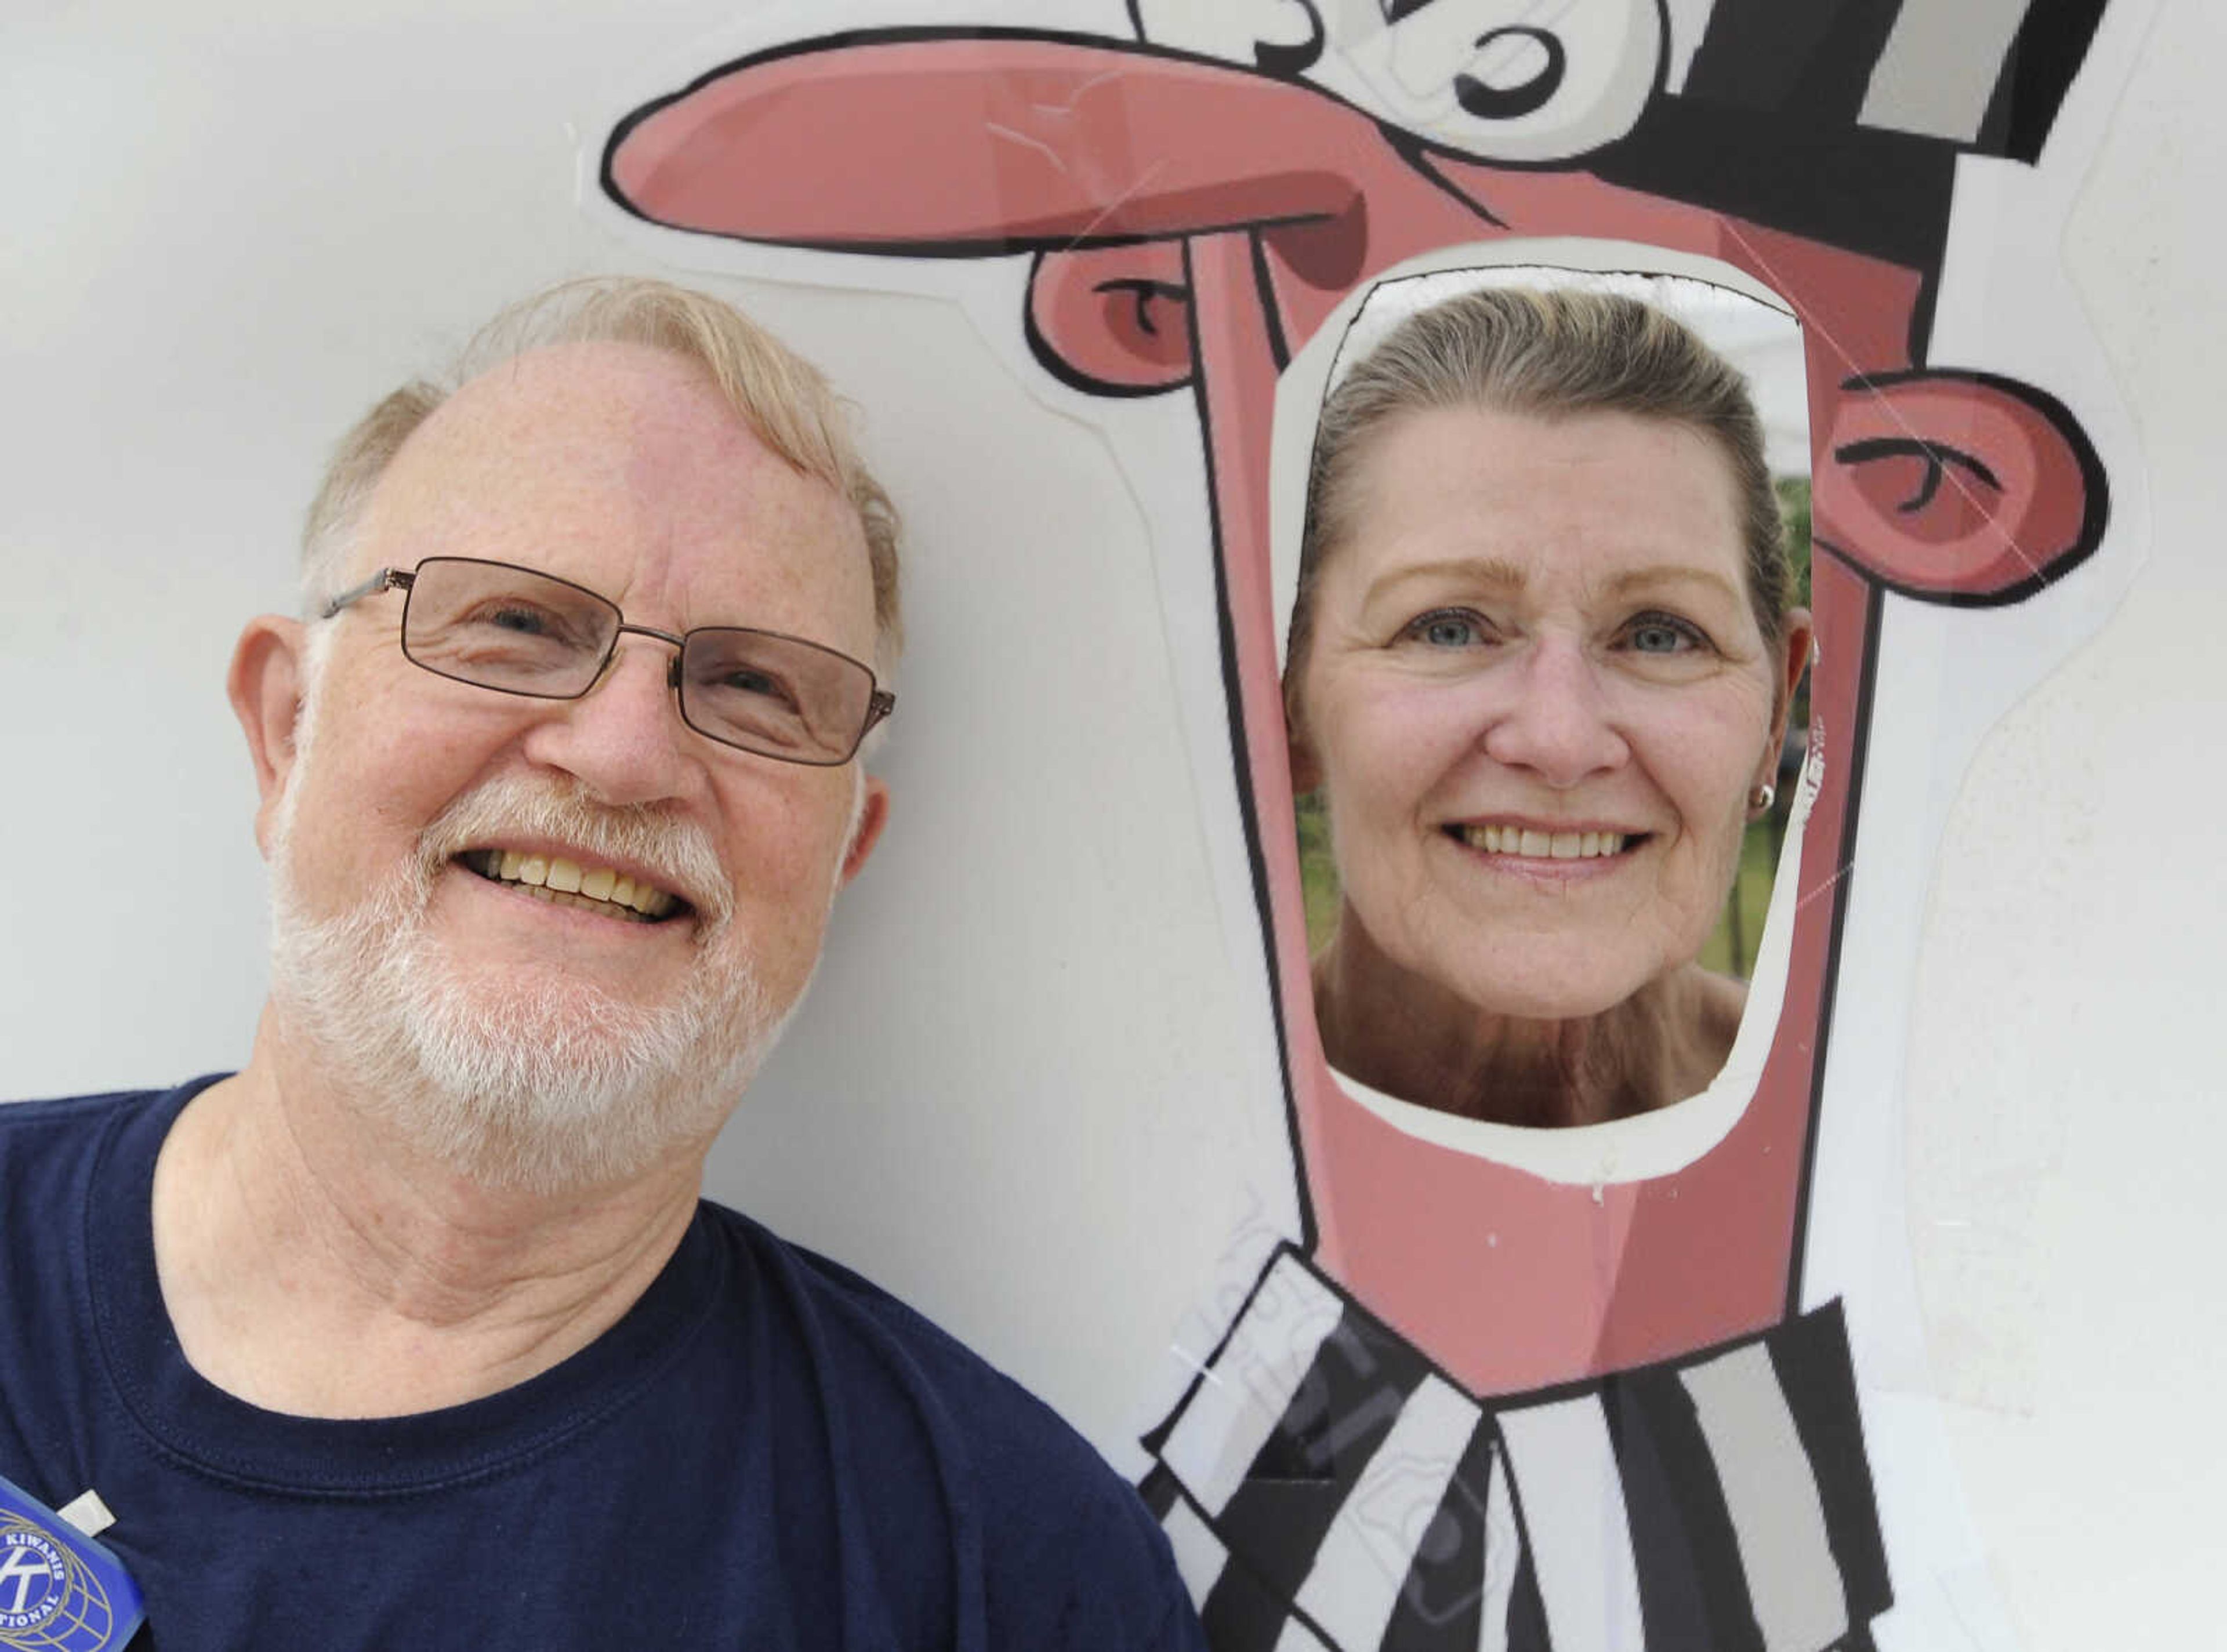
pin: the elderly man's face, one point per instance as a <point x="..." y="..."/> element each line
<point x="619" y="468"/>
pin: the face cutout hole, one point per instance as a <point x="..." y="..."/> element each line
<point x="1536" y="684"/>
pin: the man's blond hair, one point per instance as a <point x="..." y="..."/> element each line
<point x="787" y="402"/>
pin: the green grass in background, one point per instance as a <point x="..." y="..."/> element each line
<point x="1317" y="871"/>
<point x="1730" y="950"/>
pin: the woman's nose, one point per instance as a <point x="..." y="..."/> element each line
<point x="1555" y="720"/>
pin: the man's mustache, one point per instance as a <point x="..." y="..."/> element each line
<point x="677" y="853"/>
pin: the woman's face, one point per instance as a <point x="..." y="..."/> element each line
<point x="1537" y="699"/>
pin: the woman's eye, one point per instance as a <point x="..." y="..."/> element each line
<point x="1446" y="628"/>
<point x="1663" y="634"/>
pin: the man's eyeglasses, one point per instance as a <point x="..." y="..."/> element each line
<point x="522" y="631"/>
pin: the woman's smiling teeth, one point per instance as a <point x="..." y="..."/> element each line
<point x="552" y="878"/>
<point x="1542" y="846"/>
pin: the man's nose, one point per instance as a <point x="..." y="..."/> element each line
<point x="623" y="739"/>
<point x="1555" y="718"/>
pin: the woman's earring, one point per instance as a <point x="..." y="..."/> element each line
<point x="1760" y="797"/>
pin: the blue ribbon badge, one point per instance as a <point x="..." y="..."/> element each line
<point x="60" y="1590"/>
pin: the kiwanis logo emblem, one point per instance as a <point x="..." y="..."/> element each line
<point x="53" y="1598"/>
<point x="34" y="1570"/>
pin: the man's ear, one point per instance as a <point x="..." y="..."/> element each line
<point x="1960" y="488"/>
<point x="873" y="815"/>
<point x="265" y="684"/>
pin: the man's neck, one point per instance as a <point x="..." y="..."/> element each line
<point x="313" y="1264"/>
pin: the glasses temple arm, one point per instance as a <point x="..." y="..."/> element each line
<point x="385" y="579"/>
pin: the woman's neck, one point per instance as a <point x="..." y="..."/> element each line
<point x="1412" y="1038"/>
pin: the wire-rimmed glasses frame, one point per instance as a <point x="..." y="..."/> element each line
<point x="517" y="630"/>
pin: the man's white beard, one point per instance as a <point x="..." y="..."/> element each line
<point x="540" y="1082"/>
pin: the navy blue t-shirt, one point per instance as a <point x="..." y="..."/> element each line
<point x="767" y="1452"/>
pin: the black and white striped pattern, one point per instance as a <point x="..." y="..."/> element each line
<point x="1324" y="1487"/>
<point x="1982" y="74"/>
<point x="1842" y="121"/>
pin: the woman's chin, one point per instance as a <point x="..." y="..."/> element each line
<point x="1519" y="988"/>
<point x="1568" y="1006"/>
<point x="1446" y="974"/>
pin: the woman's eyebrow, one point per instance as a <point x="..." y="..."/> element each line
<point x="1670" y="574"/>
<point x="1490" y="573"/>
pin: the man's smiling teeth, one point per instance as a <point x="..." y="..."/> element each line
<point x="1544" y="846"/>
<point x="552" y="878"/>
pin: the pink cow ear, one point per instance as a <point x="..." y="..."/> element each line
<point x="1958" y="488"/>
<point x="1114" y="320"/>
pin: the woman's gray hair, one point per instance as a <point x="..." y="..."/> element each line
<point x="1547" y="354"/>
<point x="785" y="400"/>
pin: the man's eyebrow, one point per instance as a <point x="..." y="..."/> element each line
<point x="1494" y="573"/>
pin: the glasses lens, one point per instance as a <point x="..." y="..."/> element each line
<point x="505" y="627"/>
<point x="775" y="695"/>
